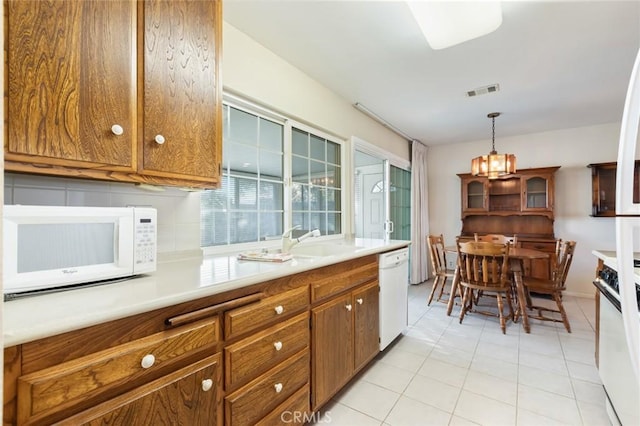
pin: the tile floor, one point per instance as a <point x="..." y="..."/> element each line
<point x="441" y="372"/>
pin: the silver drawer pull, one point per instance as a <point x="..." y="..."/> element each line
<point x="277" y="345"/>
<point x="278" y="387"/>
<point x="279" y="309"/>
<point x="148" y="360"/>
<point x="207" y="384"/>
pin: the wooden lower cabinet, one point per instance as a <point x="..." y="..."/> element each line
<point x="190" y="396"/>
<point x="345" y="337"/>
<point x="539" y="268"/>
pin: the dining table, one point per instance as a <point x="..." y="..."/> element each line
<point x="516" y="256"/>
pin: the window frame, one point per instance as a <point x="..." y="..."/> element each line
<point x="288" y="125"/>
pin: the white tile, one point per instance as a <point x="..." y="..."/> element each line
<point x="415" y="346"/>
<point x="588" y="392"/>
<point x="498" y="351"/>
<point x="484" y="411"/>
<point x="388" y="376"/>
<point x="443" y="371"/>
<point x="88" y="198"/>
<point x="340" y="415"/>
<point x="545" y="380"/>
<point x="433" y="392"/>
<point x="542" y="344"/>
<point x="459" y="421"/>
<point x="39" y="196"/>
<point x="404" y="360"/>
<point x="409" y="412"/>
<point x="588" y="373"/>
<point x="187" y="236"/>
<point x="492" y="387"/>
<point x="552" y="364"/>
<point x="465" y="343"/>
<point x="37" y="181"/>
<point x="593" y="414"/>
<point x="548" y="404"/>
<point x="495" y="367"/>
<point x="529" y="418"/>
<point x="8" y="194"/>
<point x="452" y="356"/>
<point x="369" y="399"/>
<point x="187" y="208"/>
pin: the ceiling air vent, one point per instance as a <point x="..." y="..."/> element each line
<point x="483" y="90"/>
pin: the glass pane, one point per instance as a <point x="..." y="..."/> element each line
<point x="318" y="148"/>
<point x="300" y="169"/>
<point x="219" y="230"/>
<point x="318" y="173"/>
<point x="319" y="221"/>
<point x="243" y="127"/>
<point x="270" y="165"/>
<point x="244" y="227"/>
<point x="300" y="142"/>
<point x="271" y="196"/>
<point x="302" y="219"/>
<point x="271" y="225"/>
<point x="333" y="153"/>
<point x="242" y="158"/>
<point x="317" y="198"/>
<point x="299" y="197"/>
<point x="247" y="194"/>
<point x="271" y="135"/>
<point x="334" y="202"/>
<point x="333" y="176"/>
<point x="225" y="122"/>
<point x="333" y="224"/>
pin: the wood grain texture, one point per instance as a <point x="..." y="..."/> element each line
<point x="366" y="324"/>
<point x="59" y="387"/>
<point x="332" y="340"/>
<point x="252" y="402"/>
<point x="292" y="411"/>
<point x="177" y="398"/>
<point x="12" y="370"/>
<point x="70" y="78"/>
<point x="338" y="278"/>
<point x="253" y="355"/>
<point x="257" y="315"/>
<point x="181" y="83"/>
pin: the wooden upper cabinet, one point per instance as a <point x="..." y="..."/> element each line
<point x="603" y="185"/>
<point x="537" y="192"/>
<point x="70" y="80"/>
<point x="115" y="90"/>
<point x="181" y="97"/>
<point x="475" y="195"/>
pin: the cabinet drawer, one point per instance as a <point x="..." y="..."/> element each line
<point x="295" y="410"/>
<point x="254" y="354"/>
<point x="546" y="246"/>
<point x="261" y="396"/>
<point x="344" y="276"/>
<point x="244" y="319"/>
<point x="60" y="387"/>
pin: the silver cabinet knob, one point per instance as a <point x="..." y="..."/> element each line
<point x="159" y="139"/>
<point x="117" y="129"/>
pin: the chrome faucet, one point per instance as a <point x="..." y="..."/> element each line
<point x="288" y="242"/>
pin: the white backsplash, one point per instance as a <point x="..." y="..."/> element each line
<point x="178" y="211"/>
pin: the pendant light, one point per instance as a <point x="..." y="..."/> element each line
<point x="493" y="165"/>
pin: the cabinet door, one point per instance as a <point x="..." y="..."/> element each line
<point x="191" y="394"/>
<point x="366" y="323"/>
<point x="537" y="193"/>
<point x="182" y="94"/>
<point x="475" y="195"/>
<point x="71" y="77"/>
<point x="332" y="343"/>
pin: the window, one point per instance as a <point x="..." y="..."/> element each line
<point x="250" y="205"/>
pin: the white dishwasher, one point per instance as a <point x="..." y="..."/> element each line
<point x="394" y="284"/>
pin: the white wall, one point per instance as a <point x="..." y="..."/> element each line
<point x="572" y="149"/>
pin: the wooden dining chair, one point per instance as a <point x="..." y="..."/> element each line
<point x="496" y="238"/>
<point x="484" y="267"/>
<point x="439" y="265"/>
<point x="553" y="286"/>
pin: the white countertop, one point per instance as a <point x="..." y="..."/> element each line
<point x="174" y="282"/>
<point x="610" y="259"/>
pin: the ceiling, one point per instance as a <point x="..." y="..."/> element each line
<point x="558" y="64"/>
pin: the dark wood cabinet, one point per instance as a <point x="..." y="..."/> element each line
<point x="603" y="188"/>
<point x="115" y="90"/>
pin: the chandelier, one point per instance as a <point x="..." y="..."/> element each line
<point x="493" y="165"/>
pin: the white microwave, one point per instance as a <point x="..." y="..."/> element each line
<point x="54" y="247"/>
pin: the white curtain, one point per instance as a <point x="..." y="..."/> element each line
<point x="419" y="214"/>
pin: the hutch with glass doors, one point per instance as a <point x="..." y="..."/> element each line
<point x="517" y="204"/>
